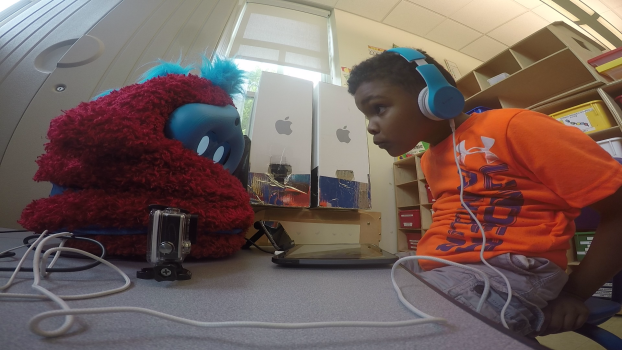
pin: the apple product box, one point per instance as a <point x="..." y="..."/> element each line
<point x="340" y="175"/>
<point x="280" y="133"/>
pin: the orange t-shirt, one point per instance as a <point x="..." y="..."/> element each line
<point x="526" y="177"/>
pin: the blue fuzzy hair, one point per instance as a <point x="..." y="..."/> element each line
<point x="224" y="73"/>
<point x="164" y="68"/>
<point x="102" y="94"/>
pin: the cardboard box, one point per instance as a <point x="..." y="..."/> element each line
<point x="340" y="176"/>
<point x="280" y="133"/>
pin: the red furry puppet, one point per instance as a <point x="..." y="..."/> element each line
<point x="173" y="139"/>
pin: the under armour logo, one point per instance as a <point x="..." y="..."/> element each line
<point x="488" y="143"/>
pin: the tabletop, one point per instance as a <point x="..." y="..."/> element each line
<point x="244" y="287"/>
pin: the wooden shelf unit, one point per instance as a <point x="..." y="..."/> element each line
<point x="539" y="67"/>
<point x="410" y="193"/>
<point x="605" y="93"/>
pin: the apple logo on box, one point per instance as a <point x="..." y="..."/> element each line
<point x="343" y="135"/>
<point x="283" y="126"/>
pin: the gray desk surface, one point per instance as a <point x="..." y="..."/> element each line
<point x="245" y="287"/>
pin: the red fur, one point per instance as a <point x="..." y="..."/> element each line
<point x="114" y="150"/>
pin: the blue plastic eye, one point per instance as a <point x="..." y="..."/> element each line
<point x="203" y="145"/>
<point x="218" y="154"/>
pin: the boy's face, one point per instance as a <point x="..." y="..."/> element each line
<point x="394" y="116"/>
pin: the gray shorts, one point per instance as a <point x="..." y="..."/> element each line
<point x="534" y="282"/>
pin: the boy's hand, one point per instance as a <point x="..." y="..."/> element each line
<point x="564" y="313"/>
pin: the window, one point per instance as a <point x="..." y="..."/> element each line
<point x="253" y="69"/>
<point x="283" y="36"/>
<point x="291" y="41"/>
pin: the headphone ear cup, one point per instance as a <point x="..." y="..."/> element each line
<point x="424" y="106"/>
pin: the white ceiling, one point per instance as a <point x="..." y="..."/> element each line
<point x="478" y="28"/>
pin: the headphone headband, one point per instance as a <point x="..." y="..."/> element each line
<point x="439" y="100"/>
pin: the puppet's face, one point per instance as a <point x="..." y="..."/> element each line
<point x="213" y="132"/>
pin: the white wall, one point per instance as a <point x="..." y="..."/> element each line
<point x="354" y="34"/>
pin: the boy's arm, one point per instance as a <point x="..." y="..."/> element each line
<point x="602" y="261"/>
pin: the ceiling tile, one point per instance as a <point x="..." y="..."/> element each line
<point x="612" y="3"/>
<point x="518" y="28"/>
<point x="444" y="7"/>
<point x="372" y="9"/>
<point x="324" y="3"/>
<point x="483" y="48"/>
<point x="612" y="18"/>
<point x="412" y="18"/>
<point x="485" y="15"/>
<point x="529" y="3"/>
<point x="596" y="5"/>
<point x="548" y="13"/>
<point x="453" y="34"/>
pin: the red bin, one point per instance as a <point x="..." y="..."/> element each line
<point x="410" y="218"/>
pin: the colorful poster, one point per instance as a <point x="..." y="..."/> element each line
<point x="373" y="51"/>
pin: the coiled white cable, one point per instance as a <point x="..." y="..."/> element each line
<point x="39" y="271"/>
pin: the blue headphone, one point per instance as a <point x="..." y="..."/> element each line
<point x="439" y="100"/>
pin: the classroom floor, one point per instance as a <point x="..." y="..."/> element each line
<point x="574" y="341"/>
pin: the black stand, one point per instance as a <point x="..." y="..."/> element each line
<point x="278" y="237"/>
<point x="166" y="271"/>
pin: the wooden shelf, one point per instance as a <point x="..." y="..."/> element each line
<point x="536" y="47"/>
<point x="468" y="85"/>
<point x="408" y="207"/>
<point x="407" y="175"/>
<point x="407" y="197"/>
<point x="413" y="183"/>
<point x="406" y="162"/>
<point x="404" y="171"/>
<point x="543" y="81"/>
<point x="608" y="93"/>
<point x="502" y="63"/>
<point x="606" y="134"/>
<point x="542" y="67"/>
<point x="587" y="96"/>
<point x="369" y="222"/>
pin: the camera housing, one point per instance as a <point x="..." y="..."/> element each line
<point x="171" y="233"/>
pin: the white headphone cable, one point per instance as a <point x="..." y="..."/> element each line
<point x="481" y="228"/>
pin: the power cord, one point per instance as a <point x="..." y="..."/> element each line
<point x="39" y="270"/>
<point x="256" y="246"/>
<point x="26" y="241"/>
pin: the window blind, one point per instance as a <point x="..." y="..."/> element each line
<point x="282" y="36"/>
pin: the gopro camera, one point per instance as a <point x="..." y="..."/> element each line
<point x="172" y="231"/>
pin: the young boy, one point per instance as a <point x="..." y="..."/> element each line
<point x="526" y="176"/>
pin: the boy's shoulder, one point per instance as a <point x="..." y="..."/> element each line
<point x="506" y="114"/>
<point x="500" y="120"/>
